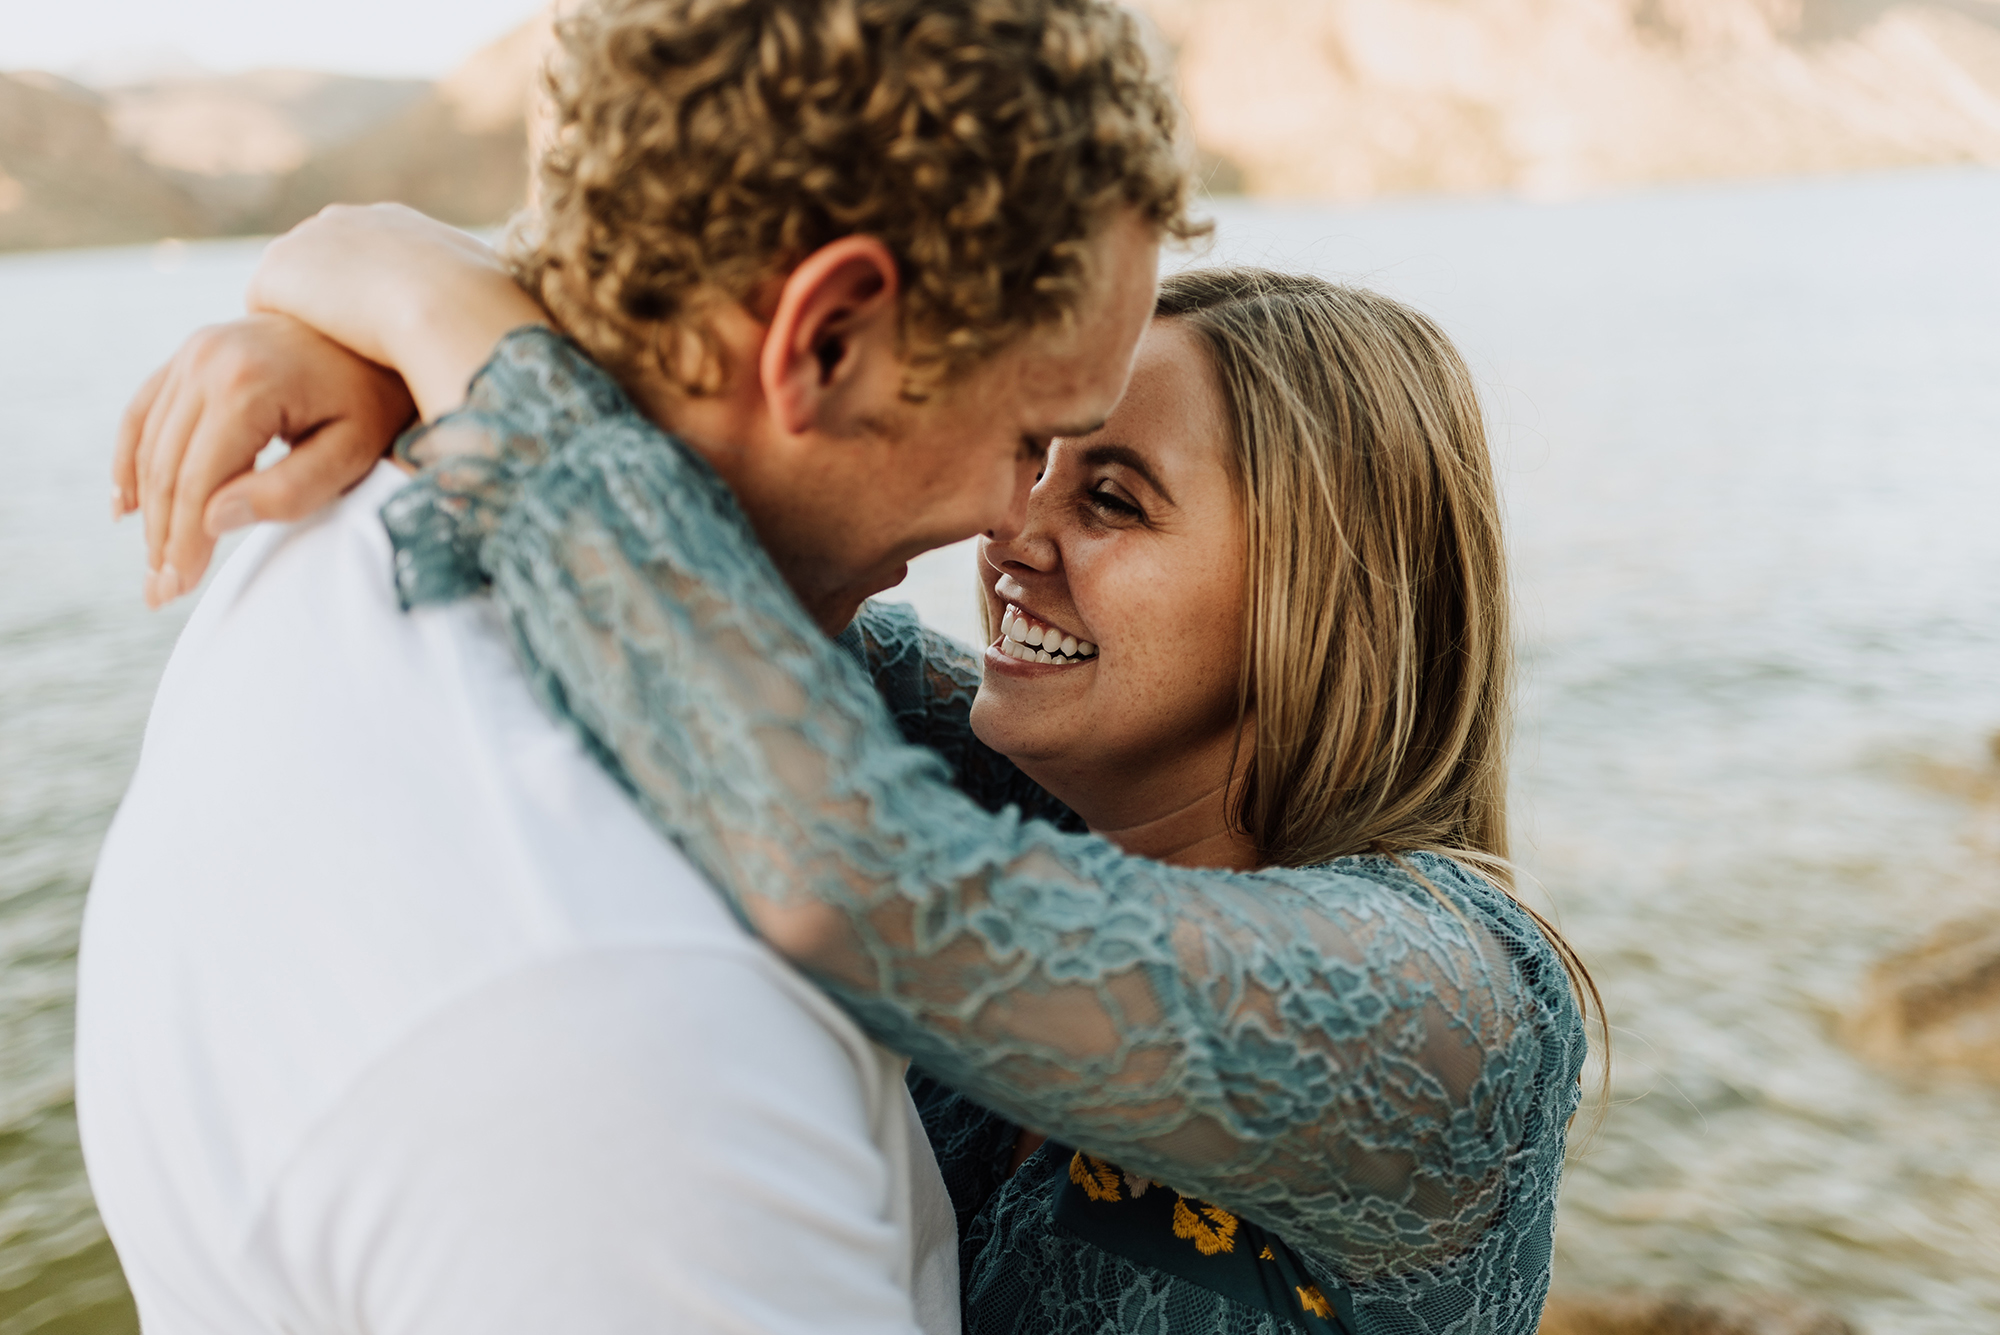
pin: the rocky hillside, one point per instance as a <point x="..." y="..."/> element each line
<point x="1350" y="99"/>
<point x="199" y="155"/>
<point x="460" y="152"/>
<point x="230" y="139"/>
<point x="1329" y="99"/>
<point x="66" y="180"/>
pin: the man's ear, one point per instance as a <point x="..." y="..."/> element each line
<point x="840" y="300"/>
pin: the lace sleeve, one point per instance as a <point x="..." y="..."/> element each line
<point x="1340" y="1054"/>
<point x="927" y="681"/>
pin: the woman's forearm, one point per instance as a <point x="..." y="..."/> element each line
<point x="403" y="290"/>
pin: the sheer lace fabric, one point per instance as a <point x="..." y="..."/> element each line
<point x="928" y="681"/>
<point x="1332" y="1052"/>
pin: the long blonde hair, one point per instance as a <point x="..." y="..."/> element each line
<point x="1376" y="683"/>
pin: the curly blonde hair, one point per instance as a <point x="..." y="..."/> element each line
<point x="702" y="148"/>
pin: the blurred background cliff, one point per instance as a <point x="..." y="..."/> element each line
<point x="184" y="153"/>
<point x="1545" y="98"/>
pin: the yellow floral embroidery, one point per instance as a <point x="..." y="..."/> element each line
<point x="1313" y="1300"/>
<point x="1265" y="1255"/>
<point x="1098" y="1179"/>
<point x="1210" y="1228"/>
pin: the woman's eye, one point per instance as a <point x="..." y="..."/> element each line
<point x="1109" y="501"/>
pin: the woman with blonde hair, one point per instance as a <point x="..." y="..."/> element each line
<point x="1189" y="895"/>
<point x="1222" y="1015"/>
<point x="1285" y="552"/>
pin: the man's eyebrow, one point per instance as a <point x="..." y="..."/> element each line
<point x="1127" y="457"/>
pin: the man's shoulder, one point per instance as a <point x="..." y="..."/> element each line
<point x="346" y="821"/>
<point x="314" y="744"/>
<point x="281" y="577"/>
<point x="345" y="815"/>
<point x="301" y="618"/>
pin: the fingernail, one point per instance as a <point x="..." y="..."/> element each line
<point x="118" y="506"/>
<point x="168" y="583"/>
<point x="232" y="513"/>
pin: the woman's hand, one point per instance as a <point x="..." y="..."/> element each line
<point x="356" y="313"/>
<point x="401" y="289"/>
<point x="189" y="441"/>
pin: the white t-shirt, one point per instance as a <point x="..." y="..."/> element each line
<point x="395" y="1017"/>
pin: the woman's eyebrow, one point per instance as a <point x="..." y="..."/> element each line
<point x="1127" y="457"/>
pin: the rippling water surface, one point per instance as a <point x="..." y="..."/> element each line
<point x="1750" y="438"/>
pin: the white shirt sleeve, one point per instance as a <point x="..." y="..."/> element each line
<point x="564" y="1151"/>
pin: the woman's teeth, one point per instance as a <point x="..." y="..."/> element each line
<point x="1023" y="637"/>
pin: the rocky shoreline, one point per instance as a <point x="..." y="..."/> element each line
<point x="1925" y="1012"/>
<point x="1935" y="1006"/>
<point x="1681" y="1314"/>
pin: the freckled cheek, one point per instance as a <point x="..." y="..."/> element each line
<point x="1154" y="654"/>
<point x="1185" y="681"/>
<point x="1195" y="664"/>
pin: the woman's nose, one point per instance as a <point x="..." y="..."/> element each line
<point x="1030" y="550"/>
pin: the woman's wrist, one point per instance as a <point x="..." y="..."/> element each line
<point x="445" y="334"/>
<point x="400" y="289"/>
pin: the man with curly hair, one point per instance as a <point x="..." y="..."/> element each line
<point x="394" y="1015"/>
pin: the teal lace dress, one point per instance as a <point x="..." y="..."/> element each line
<point x="1298" y="1099"/>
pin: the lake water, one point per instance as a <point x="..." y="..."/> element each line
<point x="1750" y="438"/>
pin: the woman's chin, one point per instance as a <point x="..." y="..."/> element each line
<point x="1026" y="711"/>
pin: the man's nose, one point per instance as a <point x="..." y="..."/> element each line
<point x="1009" y="521"/>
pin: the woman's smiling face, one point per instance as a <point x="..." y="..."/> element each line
<point x="1128" y="576"/>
